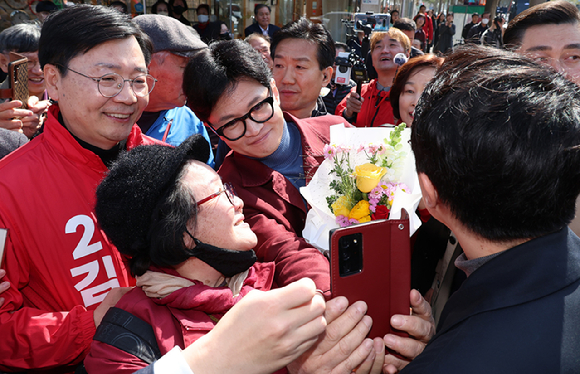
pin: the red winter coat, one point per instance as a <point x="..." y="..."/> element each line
<point x="276" y="211"/>
<point x="177" y="319"/>
<point x="58" y="261"/>
<point x="376" y="105"/>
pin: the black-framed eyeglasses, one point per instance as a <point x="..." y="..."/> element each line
<point x="259" y="113"/>
<point x="228" y="189"/>
<point x="111" y="84"/>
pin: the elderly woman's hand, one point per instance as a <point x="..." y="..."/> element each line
<point x="343" y="348"/>
<point x="262" y="333"/>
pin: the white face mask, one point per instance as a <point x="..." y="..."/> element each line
<point x="203" y="18"/>
<point x="485" y="21"/>
<point x="163" y="13"/>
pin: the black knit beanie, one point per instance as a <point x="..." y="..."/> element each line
<point x="128" y="196"/>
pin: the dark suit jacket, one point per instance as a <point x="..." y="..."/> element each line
<point x="517" y="313"/>
<point x="253" y="28"/>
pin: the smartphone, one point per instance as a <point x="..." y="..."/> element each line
<point x="372" y="262"/>
<point x="18" y="75"/>
<point x="3" y="233"/>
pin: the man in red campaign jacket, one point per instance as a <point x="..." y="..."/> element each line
<point x="59" y="263"/>
<point x="374" y="109"/>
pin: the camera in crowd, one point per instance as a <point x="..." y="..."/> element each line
<point x="372" y="21"/>
<point x="349" y="65"/>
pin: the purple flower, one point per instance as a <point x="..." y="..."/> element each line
<point x="342" y="221"/>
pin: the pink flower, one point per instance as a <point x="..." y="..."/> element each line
<point x="329" y="151"/>
<point x="342" y="221"/>
<point x="376" y="193"/>
<point x="353" y="221"/>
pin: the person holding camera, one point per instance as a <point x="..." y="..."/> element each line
<point x="446" y="32"/>
<point x="493" y="36"/>
<point x="372" y="106"/>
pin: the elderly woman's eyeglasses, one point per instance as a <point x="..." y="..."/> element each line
<point x="228" y="189"/>
<point x="111" y="84"/>
<point x="259" y="113"/>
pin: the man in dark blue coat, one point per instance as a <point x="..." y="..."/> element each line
<point x="262" y="25"/>
<point x="496" y="139"/>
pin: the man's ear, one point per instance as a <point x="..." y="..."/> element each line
<point x="275" y="92"/>
<point x="4" y="61"/>
<point x="327" y="76"/>
<point x="430" y="195"/>
<point x="52" y="79"/>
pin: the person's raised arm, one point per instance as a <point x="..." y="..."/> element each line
<point x="262" y="333"/>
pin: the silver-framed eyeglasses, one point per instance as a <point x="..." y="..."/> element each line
<point x="111" y="84"/>
<point x="259" y="113"/>
<point x="228" y="189"/>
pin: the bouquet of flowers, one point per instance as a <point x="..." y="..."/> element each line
<point x="368" y="174"/>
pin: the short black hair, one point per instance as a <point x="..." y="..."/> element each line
<point x="549" y="13"/>
<point x="76" y="30"/>
<point x="216" y="70"/>
<point x="185" y="6"/>
<point x="203" y="6"/>
<point x="405" y="24"/>
<point x="260" y="6"/>
<point x="498" y="135"/>
<point x="342" y="46"/>
<point x="312" y="32"/>
<point x="22" y="38"/>
<point x="119" y="4"/>
<point x="159" y="2"/>
<point x="46" y="6"/>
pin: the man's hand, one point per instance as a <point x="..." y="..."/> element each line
<point x="110" y="300"/>
<point x="262" y="333"/>
<point x="420" y="325"/>
<point x="342" y="348"/>
<point x="3" y="286"/>
<point x="30" y="124"/>
<point x="10" y="114"/>
<point x="353" y="104"/>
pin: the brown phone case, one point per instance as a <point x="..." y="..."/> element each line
<point x="18" y="74"/>
<point x="384" y="279"/>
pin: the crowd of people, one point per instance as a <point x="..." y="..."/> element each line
<point x="153" y="221"/>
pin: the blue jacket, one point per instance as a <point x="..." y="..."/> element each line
<point x="184" y="124"/>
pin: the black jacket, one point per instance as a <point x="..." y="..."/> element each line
<point x="517" y="313"/>
<point x="255" y="28"/>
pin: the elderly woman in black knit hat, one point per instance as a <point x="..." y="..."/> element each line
<point x="191" y="251"/>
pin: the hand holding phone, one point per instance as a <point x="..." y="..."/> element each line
<point x="372" y="262"/>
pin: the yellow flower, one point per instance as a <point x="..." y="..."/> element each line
<point x="341" y="207"/>
<point x="361" y="212"/>
<point x="368" y="176"/>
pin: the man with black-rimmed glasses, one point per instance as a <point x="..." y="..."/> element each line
<point x="273" y="154"/>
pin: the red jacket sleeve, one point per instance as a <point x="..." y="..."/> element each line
<point x="293" y="256"/>
<point x="104" y="358"/>
<point x="34" y="338"/>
